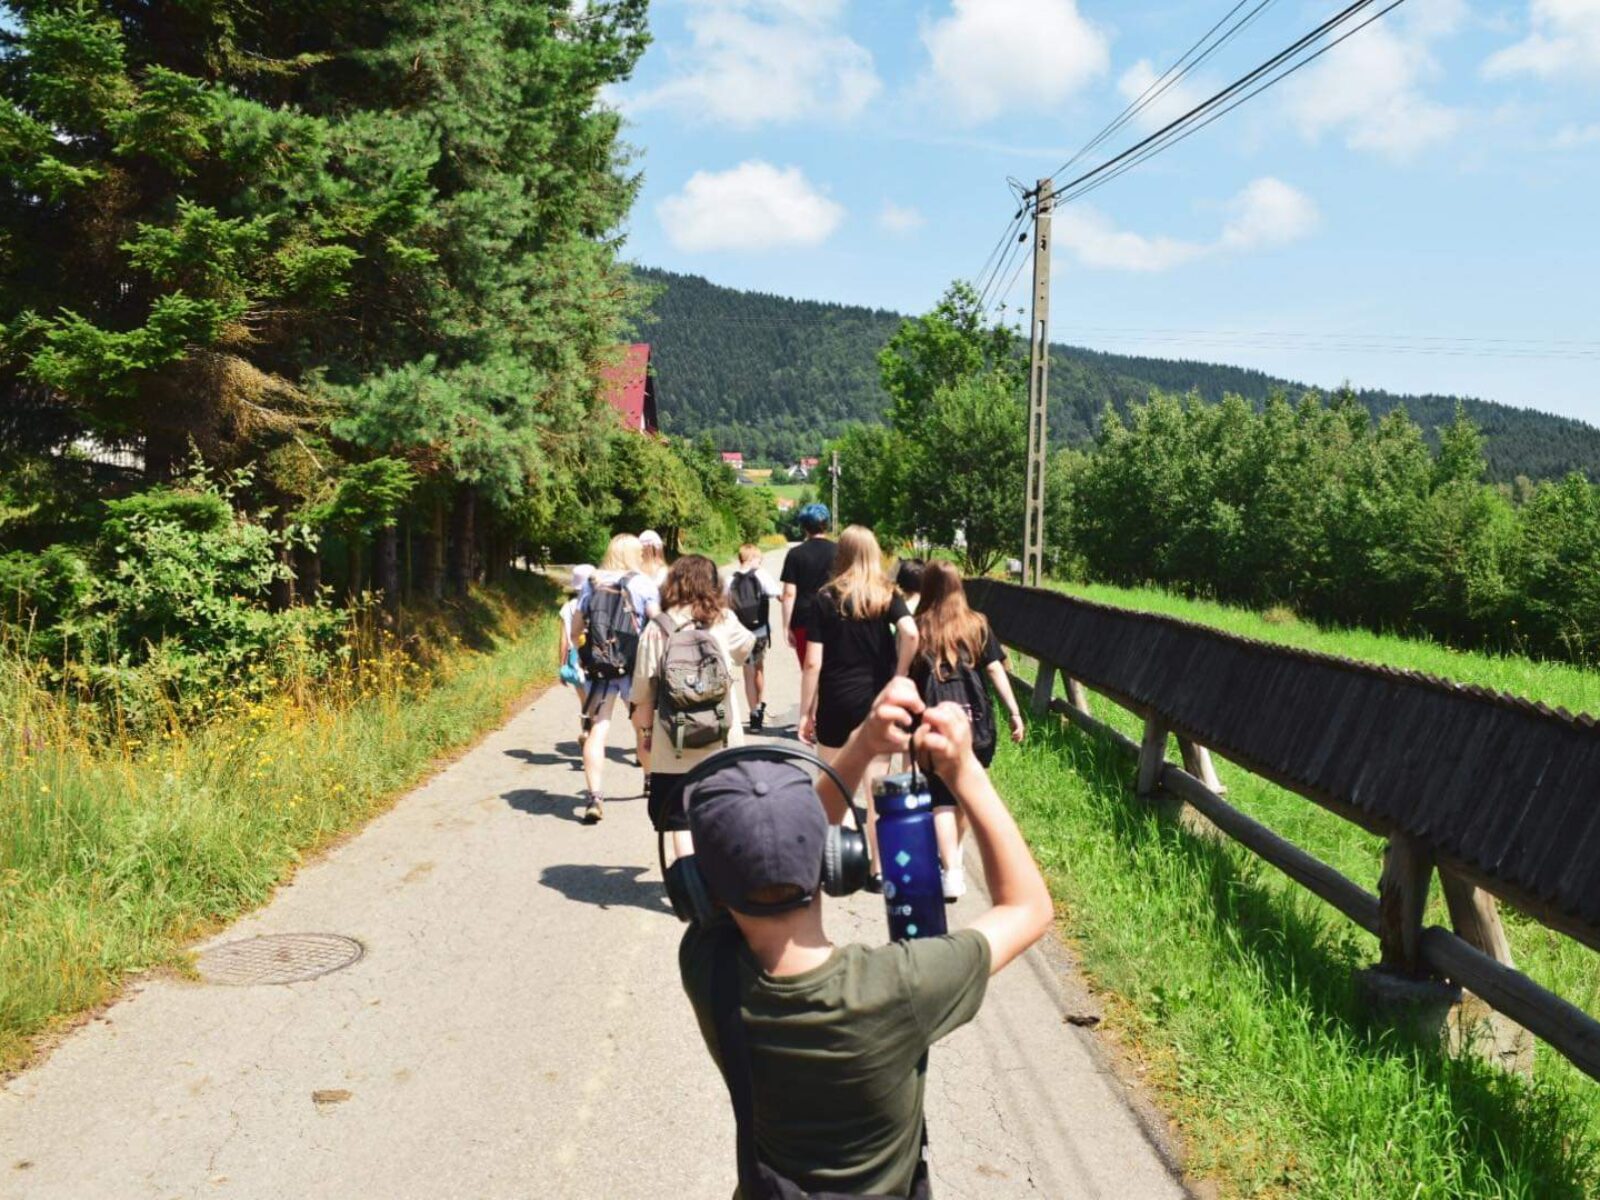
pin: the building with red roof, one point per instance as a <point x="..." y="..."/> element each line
<point x="630" y="388"/>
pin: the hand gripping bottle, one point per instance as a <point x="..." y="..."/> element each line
<point x="908" y="856"/>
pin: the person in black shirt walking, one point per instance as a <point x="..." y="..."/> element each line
<point x="805" y="569"/>
<point x="863" y="636"/>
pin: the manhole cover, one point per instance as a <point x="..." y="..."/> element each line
<point x="278" y="958"/>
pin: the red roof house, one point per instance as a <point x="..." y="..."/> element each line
<point x="734" y="458"/>
<point x="630" y="388"/>
<point x="810" y="464"/>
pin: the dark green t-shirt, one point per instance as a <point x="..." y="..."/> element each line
<point x="839" y="1053"/>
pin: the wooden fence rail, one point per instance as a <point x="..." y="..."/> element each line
<point x="1499" y="796"/>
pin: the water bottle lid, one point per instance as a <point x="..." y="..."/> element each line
<point x="902" y="793"/>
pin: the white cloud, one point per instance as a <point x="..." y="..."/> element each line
<point x="894" y="218"/>
<point x="753" y="62"/>
<point x="988" y="56"/>
<point x="1572" y="137"/>
<point x="1266" y="214"/>
<point x="1565" y="40"/>
<point x="754" y="206"/>
<point x="1097" y="242"/>
<point x="1175" y="98"/>
<point x="1370" y="89"/>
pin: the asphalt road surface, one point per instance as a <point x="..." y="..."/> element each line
<point x="515" y="1029"/>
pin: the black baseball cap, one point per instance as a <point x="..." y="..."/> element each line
<point x="758" y="825"/>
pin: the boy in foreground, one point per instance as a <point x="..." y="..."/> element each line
<point x="838" y="1036"/>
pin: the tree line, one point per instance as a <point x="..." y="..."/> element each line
<point x="1348" y="520"/>
<point x="775" y="378"/>
<point x="1313" y="504"/>
<point x="305" y="299"/>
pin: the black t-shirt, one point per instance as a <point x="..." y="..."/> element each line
<point x="808" y="566"/>
<point x="858" y="660"/>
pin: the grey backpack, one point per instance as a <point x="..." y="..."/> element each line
<point x="694" y="692"/>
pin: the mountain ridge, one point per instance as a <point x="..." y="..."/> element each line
<point x="774" y="376"/>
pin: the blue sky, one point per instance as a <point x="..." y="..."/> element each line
<point x="1420" y="210"/>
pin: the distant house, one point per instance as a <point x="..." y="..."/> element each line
<point x="810" y="464"/>
<point x="734" y="458"/>
<point x="784" y="504"/>
<point x="631" y="389"/>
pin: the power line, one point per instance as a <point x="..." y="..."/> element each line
<point x="994" y="266"/>
<point x="1011" y="256"/>
<point x="1009" y="232"/>
<point x="985" y="277"/>
<point x="1196" y="128"/>
<point x="1015" y="233"/>
<point x="1172" y="76"/>
<point x="1221" y="97"/>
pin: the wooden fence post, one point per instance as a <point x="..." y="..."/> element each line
<point x="1400" y="991"/>
<point x="1475" y="1026"/>
<point x="1197" y="761"/>
<point x="1044" y="686"/>
<point x="1402" y="897"/>
<point x="1152" y="754"/>
<point x="1078" y="697"/>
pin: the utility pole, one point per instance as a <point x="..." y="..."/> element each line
<point x="834" y="507"/>
<point x="1038" y="389"/>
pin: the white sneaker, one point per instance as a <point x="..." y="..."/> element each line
<point x="955" y="883"/>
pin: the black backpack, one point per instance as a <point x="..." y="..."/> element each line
<point x="611" y="640"/>
<point x="749" y="600"/>
<point x="964" y="686"/>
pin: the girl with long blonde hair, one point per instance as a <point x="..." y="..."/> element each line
<point x="863" y="637"/>
<point x="958" y="651"/>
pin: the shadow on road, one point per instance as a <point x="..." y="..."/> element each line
<point x="569" y="753"/>
<point x="537" y="802"/>
<point x="607" y="887"/>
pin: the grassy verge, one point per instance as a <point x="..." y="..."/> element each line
<point x="1236" y="985"/>
<point x="114" y="853"/>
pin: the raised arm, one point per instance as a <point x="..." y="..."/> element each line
<point x="1022" y="908"/>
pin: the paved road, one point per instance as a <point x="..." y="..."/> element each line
<point x="514" y="1030"/>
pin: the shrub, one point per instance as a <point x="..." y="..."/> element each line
<point x="169" y="604"/>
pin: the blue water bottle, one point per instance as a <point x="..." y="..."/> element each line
<point x="908" y="856"/>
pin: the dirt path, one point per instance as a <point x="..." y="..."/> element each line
<point x="514" y="1029"/>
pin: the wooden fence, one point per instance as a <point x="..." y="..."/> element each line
<point x="1500" y="796"/>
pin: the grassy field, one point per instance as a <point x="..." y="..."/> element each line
<point x="115" y="853"/>
<point x="1235" y="985"/>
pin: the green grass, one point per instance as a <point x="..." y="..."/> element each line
<point x="1237" y="985"/>
<point x="1558" y="684"/>
<point x="793" y="491"/>
<point x="113" y="857"/>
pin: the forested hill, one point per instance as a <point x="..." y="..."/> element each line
<point x="772" y="377"/>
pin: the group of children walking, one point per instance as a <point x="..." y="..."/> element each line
<point x="672" y="644"/>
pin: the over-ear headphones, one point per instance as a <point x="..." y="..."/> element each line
<point x="846" y="859"/>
